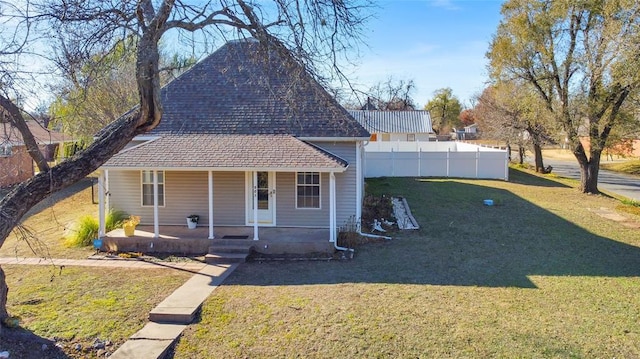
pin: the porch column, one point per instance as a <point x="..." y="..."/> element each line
<point x="211" y="205"/>
<point x="156" y="225"/>
<point x="255" y="205"/>
<point x="359" y="184"/>
<point x="332" y="207"/>
<point x="101" y="211"/>
<point x="107" y="201"/>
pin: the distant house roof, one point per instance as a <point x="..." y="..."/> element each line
<point x="394" y="121"/>
<point x="245" y="88"/>
<point x="228" y="152"/>
<point x="43" y="136"/>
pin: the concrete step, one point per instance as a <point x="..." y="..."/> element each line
<point x="178" y="315"/>
<point x="229" y="248"/>
<point x="225" y="258"/>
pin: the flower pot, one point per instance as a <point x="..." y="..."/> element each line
<point x="129" y="229"/>
<point x="191" y="224"/>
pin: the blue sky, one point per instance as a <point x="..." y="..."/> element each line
<point x="437" y="43"/>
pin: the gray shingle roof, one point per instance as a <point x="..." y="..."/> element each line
<point x="394" y="121"/>
<point x="243" y="88"/>
<point x="221" y="151"/>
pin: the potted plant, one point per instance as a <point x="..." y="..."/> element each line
<point x="192" y="221"/>
<point x="129" y="225"/>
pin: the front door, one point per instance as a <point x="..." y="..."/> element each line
<point x="265" y="191"/>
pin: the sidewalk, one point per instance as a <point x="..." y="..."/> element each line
<point x="171" y="316"/>
<point x="111" y="263"/>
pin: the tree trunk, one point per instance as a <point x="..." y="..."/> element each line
<point x="537" y="152"/>
<point x="589" y="172"/>
<point x="521" y="152"/>
<point x="3" y="299"/>
<point x="30" y="192"/>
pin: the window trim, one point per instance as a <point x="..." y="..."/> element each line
<point x="411" y="137"/>
<point x="6" y="150"/>
<point x="319" y="185"/>
<point x="160" y="189"/>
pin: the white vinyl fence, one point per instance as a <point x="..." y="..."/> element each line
<point x="434" y="159"/>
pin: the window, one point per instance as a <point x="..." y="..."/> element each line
<point x="411" y="136"/>
<point x="308" y="186"/>
<point x="147" y="188"/>
<point x="5" y="150"/>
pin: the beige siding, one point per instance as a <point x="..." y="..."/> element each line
<point x="345" y="182"/>
<point x="287" y="215"/>
<point x="185" y="193"/>
<point x="229" y="198"/>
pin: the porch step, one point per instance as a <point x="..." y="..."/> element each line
<point x="231" y="248"/>
<point x="225" y="258"/>
<point x="225" y="251"/>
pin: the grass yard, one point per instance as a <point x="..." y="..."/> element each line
<point x="628" y="167"/>
<point x="43" y="231"/>
<point x="540" y="274"/>
<point x="76" y="305"/>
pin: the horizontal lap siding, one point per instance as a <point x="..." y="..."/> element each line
<point x="185" y="193"/>
<point x="287" y="215"/>
<point x="229" y="199"/>
<point x="345" y="182"/>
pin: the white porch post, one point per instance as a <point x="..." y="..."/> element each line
<point x="332" y="207"/>
<point x="156" y="225"/>
<point x="211" y="205"/>
<point x="101" y="211"/>
<point x="107" y="201"/>
<point x="255" y="205"/>
<point x="359" y="184"/>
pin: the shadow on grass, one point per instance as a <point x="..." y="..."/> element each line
<point x="463" y="243"/>
<point x="22" y="343"/>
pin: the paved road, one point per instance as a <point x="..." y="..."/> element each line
<point x="622" y="184"/>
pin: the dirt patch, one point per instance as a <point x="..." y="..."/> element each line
<point x="613" y="216"/>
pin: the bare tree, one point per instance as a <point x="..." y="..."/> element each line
<point x="307" y="31"/>
<point x="582" y="60"/>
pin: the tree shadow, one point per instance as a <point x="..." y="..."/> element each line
<point x="464" y="243"/>
<point x="24" y="344"/>
<point x="522" y="177"/>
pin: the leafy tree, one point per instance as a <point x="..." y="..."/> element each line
<point x="310" y="32"/>
<point x="97" y="91"/>
<point x="582" y="59"/>
<point x="445" y="110"/>
<point x="511" y="112"/>
<point x="467" y="117"/>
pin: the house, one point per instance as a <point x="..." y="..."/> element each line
<point x="395" y="125"/>
<point x="15" y="161"/>
<point x="248" y="141"/>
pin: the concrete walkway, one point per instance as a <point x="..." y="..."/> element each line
<point x="171" y="316"/>
<point x="110" y="263"/>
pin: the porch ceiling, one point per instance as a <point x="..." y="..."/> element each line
<point x="228" y="152"/>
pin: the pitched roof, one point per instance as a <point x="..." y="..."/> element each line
<point x="42" y="135"/>
<point x="394" y="121"/>
<point x="244" y="88"/>
<point x="228" y="152"/>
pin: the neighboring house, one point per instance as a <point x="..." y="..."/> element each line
<point x="15" y="162"/>
<point x="395" y="125"/>
<point x="247" y="139"/>
<point x="467" y="133"/>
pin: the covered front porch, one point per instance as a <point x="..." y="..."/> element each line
<point x="181" y="240"/>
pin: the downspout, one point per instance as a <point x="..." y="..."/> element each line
<point x="332" y="214"/>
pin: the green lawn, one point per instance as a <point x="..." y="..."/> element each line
<point x="538" y="275"/>
<point x="628" y="167"/>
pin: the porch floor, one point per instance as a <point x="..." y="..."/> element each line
<point x="181" y="240"/>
